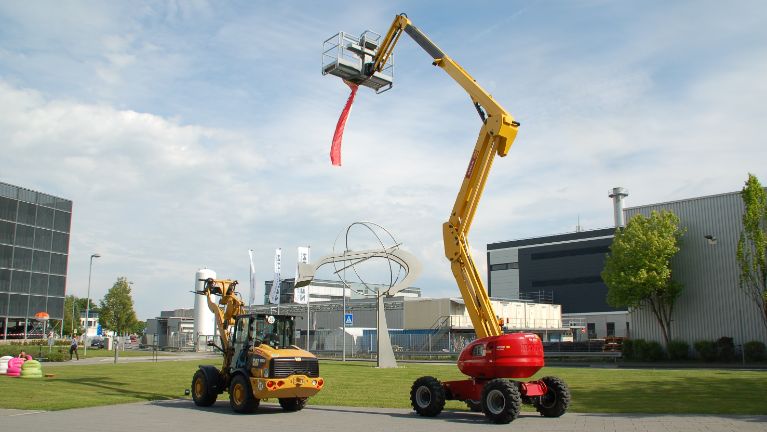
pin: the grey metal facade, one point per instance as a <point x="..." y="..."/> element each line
<point x="712" y="304"/>
<point x="34" y="250"/>
<point x="566" y="267"/>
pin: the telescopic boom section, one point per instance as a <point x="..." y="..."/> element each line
<point x="496" y="136"/>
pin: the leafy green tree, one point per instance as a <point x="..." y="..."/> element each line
<point x="752" y="245"/>
<point x="72" y="322"/>
<point x="638" y="267"/>
<point x="116" y="308"/>
<point x="139" y="327"/>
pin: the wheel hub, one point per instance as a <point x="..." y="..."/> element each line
<point x="423" y="396"/>
<point x="495" y="401"/>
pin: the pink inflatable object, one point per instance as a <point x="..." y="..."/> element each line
<point x="14" y="366"/>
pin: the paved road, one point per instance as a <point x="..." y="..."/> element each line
<point x="182" y="415"/>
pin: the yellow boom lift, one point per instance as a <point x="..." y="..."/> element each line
<point x="494" y="357"/>
<point x="261" y="360"/>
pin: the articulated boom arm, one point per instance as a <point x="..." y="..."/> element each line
<point x="496" y="136"/>
<point x="229" y="306"/>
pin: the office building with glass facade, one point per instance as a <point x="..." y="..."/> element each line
<point x="34" y="250"/>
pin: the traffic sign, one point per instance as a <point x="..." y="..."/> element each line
<point x="349" y="319"/>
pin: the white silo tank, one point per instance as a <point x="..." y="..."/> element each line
<point x="204" y="320"/>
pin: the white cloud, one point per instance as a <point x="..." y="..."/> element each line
<point x="187" y="134"/>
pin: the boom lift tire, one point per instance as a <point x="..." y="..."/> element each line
<point x="501" y="401"/>
<point x="427" y="396"/>
<point x="202" y="390"/>
<point x="241" y="395"/>
<point x="293" y="404"/>
<point x="556" y="400"/>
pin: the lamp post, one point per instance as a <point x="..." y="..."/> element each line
<point x="88" y="306"/>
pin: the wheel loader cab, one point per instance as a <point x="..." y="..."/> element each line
<point x="252" y="331"/>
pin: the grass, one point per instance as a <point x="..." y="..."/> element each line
<point x="359" y="384"/>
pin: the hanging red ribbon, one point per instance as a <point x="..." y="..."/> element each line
<point x="335" y="148"/>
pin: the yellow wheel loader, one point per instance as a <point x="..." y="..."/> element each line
<point x="260" y="359"/>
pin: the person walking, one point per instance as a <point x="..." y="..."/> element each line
<point x="73" y="349"/>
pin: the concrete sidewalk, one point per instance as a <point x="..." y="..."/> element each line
<point x="182" y="414"/>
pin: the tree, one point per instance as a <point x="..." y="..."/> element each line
<point x="752" y="245"/>
<point x="72" y="321"/>
<point x="139" y="327"/>
<point x="116" y="308"/>
<point x="638" y="267"/>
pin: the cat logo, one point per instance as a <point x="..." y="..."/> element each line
<point x="297" y="358"/>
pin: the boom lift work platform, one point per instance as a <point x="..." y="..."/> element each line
<point x="494" y="357"/>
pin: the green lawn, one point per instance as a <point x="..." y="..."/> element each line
<point x="358" y="384"/>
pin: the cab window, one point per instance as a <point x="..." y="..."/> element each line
<point x="478" y="350"/>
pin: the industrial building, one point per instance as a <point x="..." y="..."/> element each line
<point x="34" y="250"/>
<point x="712" y="304"/>
<point x="565" y="269"/>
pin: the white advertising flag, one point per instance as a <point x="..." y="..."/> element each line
<point x="252" y="296"/>
<point x="274" y="294"/>
<point x="300" y="294"/>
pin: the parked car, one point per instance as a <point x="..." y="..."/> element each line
<point x="98" y="343"/>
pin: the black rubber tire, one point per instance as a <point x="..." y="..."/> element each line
<point x="293" y="404"/>
<point x="202" y="390"/>
<point x="501" y="401"/>
<point x="474" y="406"/>
<point x="427" y="396"/>
<point x="241" y="397"/>
<point x="556" y="400"/>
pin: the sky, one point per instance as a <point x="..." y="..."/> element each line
<point x="187" y="132"/>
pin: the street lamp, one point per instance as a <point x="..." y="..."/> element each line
<point x="88" y="306"/>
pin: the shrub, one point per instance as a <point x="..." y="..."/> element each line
<point x="725" y="349"/>
<point x="706" y="350"/>
<point x="755" y="351"/>
<point x="678" y="350"/>
<point x="653" y="351"/>
<point x="627" y="349"/>
<point x="640" y="346"/>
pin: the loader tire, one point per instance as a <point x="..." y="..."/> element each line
<point x="202" y="390"/>
<point x="556" y="400"/>
<point x="293" y="404"/>
<point x="427" y="396"/>
<point x="241" y="395"/>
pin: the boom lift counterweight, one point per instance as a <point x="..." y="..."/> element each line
<point x="494" y="357"/>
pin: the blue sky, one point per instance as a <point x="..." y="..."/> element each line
<point x="187" y="133"/>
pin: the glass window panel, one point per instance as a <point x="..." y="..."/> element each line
<point x="44" y="217"/>
<point x="27" y="213"/>
<point x="20" y="282"/>
<point x="25" y="235"/>
<point x="7" y="231"/>
<point x="58" y="264"/>
<point x="39" y="284"/>
<point x="17" y="305"/>
<point x="62" y="221"/>
<point x="8" y="191"/>
<point x="22" y="259"/>
<point x="27" y="195"/>
<point x="8" y="209"/>
<point x="56" y="286"/>
<point x="56" y="307"/>
<point x="41" y="261"/>
<point x="3" y="305"/>
<point x="6" y="256"/>
<point x="60" y="242"/>
<point x="46" y="200"/>
<point x="63" y="204"/>
<point x="36" y="304"/>
<point x="5" y="281"/>
<point x="43" y="238"/>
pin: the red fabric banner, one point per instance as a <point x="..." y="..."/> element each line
<point x="335" y="148"/>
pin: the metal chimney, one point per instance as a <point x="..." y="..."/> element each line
<point x="617" y="194"/>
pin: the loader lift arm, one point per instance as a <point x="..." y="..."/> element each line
<point x="499" y="129"/>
